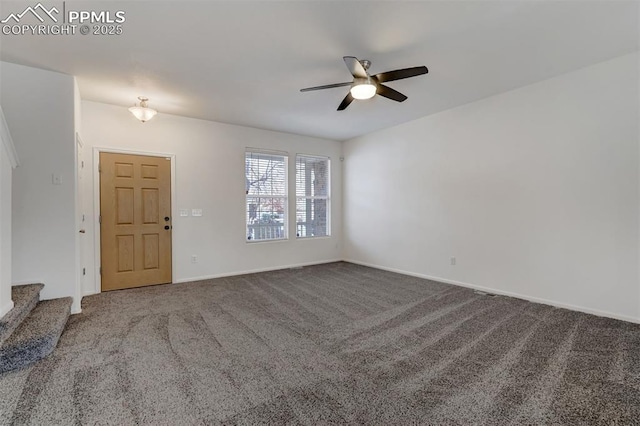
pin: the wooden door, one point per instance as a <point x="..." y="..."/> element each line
<point x="135" y="227"/>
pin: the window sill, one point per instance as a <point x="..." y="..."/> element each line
<point x="324" y="237"/>
<point x="274" y="240"/>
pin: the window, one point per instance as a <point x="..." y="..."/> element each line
<point x="312" y="196"/>
<point x="266" y="189"/>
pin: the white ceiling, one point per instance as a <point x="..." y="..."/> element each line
<point x="244" y="62"/>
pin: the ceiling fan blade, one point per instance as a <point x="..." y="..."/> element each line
<point x="400" y="74"/>
<point x="327" y="86"/>
<point x="345" y="102"/>
<point x="355" y="67"/>
<point x="388" y="92"/>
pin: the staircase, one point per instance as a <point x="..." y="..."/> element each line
<point x="30" y="331"/>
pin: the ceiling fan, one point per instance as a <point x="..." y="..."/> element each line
<point x="365" y="86"/>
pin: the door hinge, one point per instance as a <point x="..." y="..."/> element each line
<point x="100" y="270"/>
<point x="84" y="271"/>
<point x="100" y="219"/>
<point x="99" y="168"/>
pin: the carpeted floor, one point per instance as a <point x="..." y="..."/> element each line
<point x="328" y="344"/>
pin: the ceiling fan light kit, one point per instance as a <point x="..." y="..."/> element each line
<point x="365" y="86"/>
<point x="143" y="112"/>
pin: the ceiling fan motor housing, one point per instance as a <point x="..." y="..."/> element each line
<point x="364" y="80"/>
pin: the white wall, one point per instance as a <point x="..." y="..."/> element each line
<point x="8" y="161"/>
<point x="209" y="172"/>
<point x="38" y="106"/>
<point x="534" y="191"/>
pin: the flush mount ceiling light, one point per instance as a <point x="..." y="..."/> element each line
<point x="142" y="112"/>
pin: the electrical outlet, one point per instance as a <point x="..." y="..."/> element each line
<point x="184" y="212"/>
<point x="194" y="258"/>
<point x="196" y="212"/>
<point x="453" y="261"/>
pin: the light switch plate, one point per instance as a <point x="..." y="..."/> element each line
<point x="184" y="212"/>
<point x="196" y="212"/>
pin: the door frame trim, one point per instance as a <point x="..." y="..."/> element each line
<point x="96" y="206"/>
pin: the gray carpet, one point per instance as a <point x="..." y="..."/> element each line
<point x="37" y="336"/>
<point x="329" y="344"/>
<point x="25" y="298"/>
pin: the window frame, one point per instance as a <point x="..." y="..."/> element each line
<point x="313" y="197"/>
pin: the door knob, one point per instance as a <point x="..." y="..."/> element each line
<point x="82" y="231"/>
<point x="167" y="227"/>
<point x="167" y="218"/>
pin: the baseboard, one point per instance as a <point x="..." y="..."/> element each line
<point x="255" y="271"/>
<point x="4" y="310"/>
<point x="503" y="293"/>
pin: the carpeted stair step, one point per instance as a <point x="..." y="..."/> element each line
<point x="37" y="336"/>
<point x="25" y="298"/>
